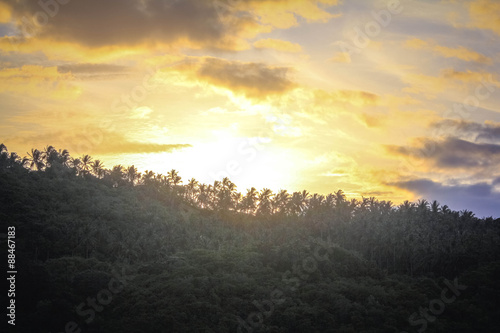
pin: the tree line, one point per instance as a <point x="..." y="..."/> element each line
<point x="201" y="254"/>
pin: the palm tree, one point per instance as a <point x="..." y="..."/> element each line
<point x="174" y="177"/>
<point x="192" y="188"/>
<point x="435" y="207"/>
<point x="34" y="159"/>
<point x="148" y="177"/>
<point x="236" y="198"/>
<point x="98" y="168"/>
<point x="224" y="196"/>
<point x="407" y="206"/>
<point x="117" y="175"/>
<point x="265" y="202"/>
<point x="65" y="157"/>
<point x="422" y="205"/>
<point x="132" y="174"/>
<point x="249" y="201"/>
<point x="280" y="202"/>
<point x="77" y="165"/>
<point x="203" y="195"/>
<point x="49" y="154"/>
<point x="339" y="198"/>
<point x="228" y="185"/>
<point x="86" y="164"/>
<point x="4" y="155"/>
<point x="14" y="158"/>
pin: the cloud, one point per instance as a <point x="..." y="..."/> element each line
<point x="481" y="198"/>
<point x="93" y="140"/>
<point x="484" y="15"/>
<point x="38" y="81"/>
<point x="91" y="68"/>
<point x="5" y="13"/>
<point x="451" y="153"/>
<point x="188" y="23"/>
<point x="131" y="147"/>
<point x="85" y="71"/>
<point x="94" y="23"/>
<point x="448" y="79"/>
<point x="251" y="79"/>
<point x="284" y="14"/>
<point x="460" y="52"/>
<point x="487" y="132"/>
<point x="277" y="44"/>
<point x="468" y="76"/>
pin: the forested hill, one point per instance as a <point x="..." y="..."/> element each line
<point x="101" y="250"/>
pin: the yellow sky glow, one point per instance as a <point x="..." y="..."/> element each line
<point x="313" y="94"/>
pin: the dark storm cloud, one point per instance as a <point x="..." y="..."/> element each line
<point x="479" y="198"/>
<point x="452" y="153"/>
<point x="97" y="23"/>
<point x="479" y="132"/>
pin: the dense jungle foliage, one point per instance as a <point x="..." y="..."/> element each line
<point x="101" y="250"/>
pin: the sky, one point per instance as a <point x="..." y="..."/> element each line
<point x="393" y="99"/>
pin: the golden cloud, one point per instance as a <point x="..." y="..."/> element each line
<point x="469" y="76"/>
<point x="38" y="81"/>
<point x="282" y="14"/>
<point x="484" y="15"/>
<point x="5" y="13"/>
<point x="153" y="25"/>
<point x="448" y="79"/>
<point x="250" y="79"/>
<point x="92" y="140"/>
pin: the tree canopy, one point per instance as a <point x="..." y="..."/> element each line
<point x="157" y="253"/>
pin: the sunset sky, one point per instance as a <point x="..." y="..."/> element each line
<point x="393" y="99"/>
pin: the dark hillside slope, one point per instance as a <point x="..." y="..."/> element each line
<point x="106" y="256"/>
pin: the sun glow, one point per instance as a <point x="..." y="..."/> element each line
<point x="247" y="162"/>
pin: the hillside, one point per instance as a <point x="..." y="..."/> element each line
<point x="102" y="250"/>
